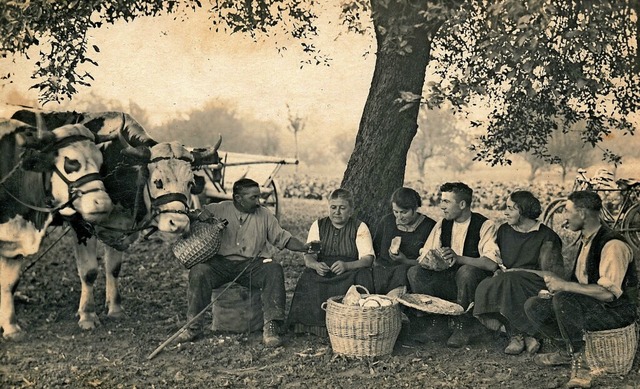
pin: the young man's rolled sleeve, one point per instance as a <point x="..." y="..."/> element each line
<point x="615" y="259"/>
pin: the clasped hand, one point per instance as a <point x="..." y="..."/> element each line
<point x="554" y="283"/>
<point x="448" y="254"/>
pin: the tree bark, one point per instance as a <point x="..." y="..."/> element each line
<point x="377" y="165"/>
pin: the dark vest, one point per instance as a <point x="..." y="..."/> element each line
<point x="604" y="235"/>
<point x="338" y="242"/>
<point x="472" y="239"/>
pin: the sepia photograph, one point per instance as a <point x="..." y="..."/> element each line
<point x="319" y="193"/>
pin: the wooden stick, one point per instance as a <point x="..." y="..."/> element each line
<point x="196" y="317"/>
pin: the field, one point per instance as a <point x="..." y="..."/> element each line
<point x="56" y="353"/>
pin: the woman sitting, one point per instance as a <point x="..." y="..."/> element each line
<point x="344" y="259"/>
<point x="528" y="250"/>
<point x="405" y="226"/>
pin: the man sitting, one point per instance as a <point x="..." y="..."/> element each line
<point x="468" y="241"/>
<point x="250" y="227"/>
<point x="601" y="294"/>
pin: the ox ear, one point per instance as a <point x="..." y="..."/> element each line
<point x="140" y="153"/>
<point x="37" y="162"/>
<point x="198" y="185"/>
<point x="29" y="137"/>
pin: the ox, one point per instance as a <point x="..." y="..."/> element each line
<point x="150" y="184"/>
<point x="42" y="173"/>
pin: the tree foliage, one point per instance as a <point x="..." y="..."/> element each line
<point x="544" y="65"/>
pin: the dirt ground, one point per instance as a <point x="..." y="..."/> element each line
<point x="56" y="353"/>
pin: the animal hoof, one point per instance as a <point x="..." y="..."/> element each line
<point x="88" y="325"/>
<point x="117" y="315"/>
<point x="15" y="336"/>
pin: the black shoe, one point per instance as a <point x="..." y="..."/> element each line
<point x="270" y="334"/>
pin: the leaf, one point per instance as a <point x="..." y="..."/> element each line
<point x="96" y="48"/>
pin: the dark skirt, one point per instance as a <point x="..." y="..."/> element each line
<point x="505" y="294"/>
<point x="387" y="278"/>
<point x="312" y="290"/>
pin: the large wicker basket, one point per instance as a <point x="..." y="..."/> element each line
<point x="611" y="351"/>
<point x="201" y="243"/>
<point x="362" y="331"/>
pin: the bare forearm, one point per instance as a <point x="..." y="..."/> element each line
<point x="591" y="290"/>
<point x="294" y="244"/>
<point x="483" y="263"/>
<point x="362" y="262"/>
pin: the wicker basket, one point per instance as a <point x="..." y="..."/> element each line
<point x="362" y="331"/>
<point x="611" y="351"/>
<point x="201" y="243"/>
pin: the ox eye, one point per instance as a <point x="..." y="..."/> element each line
<point x="158" y="184"/>
<point x="71" y="165"/>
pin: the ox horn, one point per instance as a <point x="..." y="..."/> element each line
<point x="100" y="138"/>
<point x="140" y="153"/>
<point x="203" y="156"/>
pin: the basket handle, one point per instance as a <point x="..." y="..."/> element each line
<point x="323" y="306"/>
<point x="363" y="288"/>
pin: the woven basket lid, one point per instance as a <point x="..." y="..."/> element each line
<point x="430" y="304"/>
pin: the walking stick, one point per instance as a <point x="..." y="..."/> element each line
<point x="196" y="317"/>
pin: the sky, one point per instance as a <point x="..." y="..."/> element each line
<point x="169" y="67"/>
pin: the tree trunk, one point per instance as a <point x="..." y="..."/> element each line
<point x="420" y="162"/>
<point x="377" y="165"/>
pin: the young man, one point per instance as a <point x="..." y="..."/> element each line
<point x="467" y="239"/>
<point x="601" y="294"/>
<point x="250" y="227"/>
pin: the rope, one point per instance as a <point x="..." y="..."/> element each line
<point x="46" y="251"/>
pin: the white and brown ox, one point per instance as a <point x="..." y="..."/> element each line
<point x="150" y="184"/>
<point x="41" y="173"/>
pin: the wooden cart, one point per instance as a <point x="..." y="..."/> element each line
<point x="219" y="178"/>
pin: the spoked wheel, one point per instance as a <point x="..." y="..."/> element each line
<point x="554" y="219"/>
<point x="631" y="226"/>
<point x="269" y="196"/>
<point x="552" y="206"/>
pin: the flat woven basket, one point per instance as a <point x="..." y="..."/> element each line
<point x="362" y="331"/>
<point x="201" y="243"/>
<point x="430" y="304"/>
<point x="611" y="351"/>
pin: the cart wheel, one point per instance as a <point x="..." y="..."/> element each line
<point x="269" y="196"/>
<point x="631" y="226"/>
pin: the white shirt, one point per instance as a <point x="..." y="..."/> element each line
<point x="487" y="247"/>
<point x="614" y="261"/>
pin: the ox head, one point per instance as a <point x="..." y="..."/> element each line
<point x="70" y="152"/>
<point x="171" y="181"/>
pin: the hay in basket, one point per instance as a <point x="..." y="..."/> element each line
<point x="360" y="331"/>
<point x="611" y="351"/>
